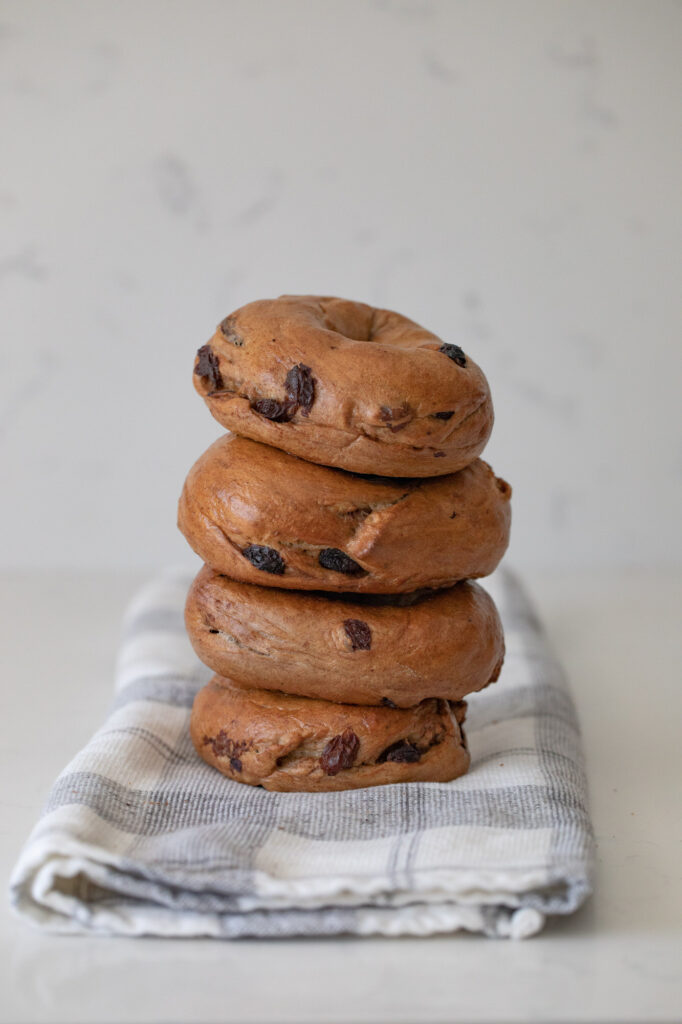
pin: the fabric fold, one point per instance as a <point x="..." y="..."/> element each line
<point x="141" y="837"/>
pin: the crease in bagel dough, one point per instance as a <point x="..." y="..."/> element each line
<point x="454" y="427"/>
<point x="279" y="742"/>
<point x="279" y="640"/>
<point x="297" y="545"/>
<point x="238" y="547"/>
<point x="444" y="645"/>
<point x="333" y="444"/>
<point x="366" y="429"/>
<point x="239" y="643"/>
<point x="404" y="534"/>
<point x="311" y="748"/>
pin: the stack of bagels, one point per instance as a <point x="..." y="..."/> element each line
<point x="341" y="521"/>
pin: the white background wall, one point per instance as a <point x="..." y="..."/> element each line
<point x="506" y="173"/>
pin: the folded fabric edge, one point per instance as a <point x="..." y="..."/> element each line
<point x="517" y="913"/>
<point x="52" y="893"/>
<point x="56" y="851"/>
<point x="417" y="920"/>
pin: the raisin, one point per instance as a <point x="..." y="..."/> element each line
<point x="439" y="455"/>
<point x="278" y="412"/>
<point x="208" y="365"/>
<point x="223" y="746"/>
<point x="402" y="752"/>
<point x="443" y="415"/>
<point x="388" y="415"/>
<point x="300" y="387"/>
<point x="339" y="561"/>
<point x="388" y="703"/>
<point x="264" y="558"/>
<point x="227" y="330"/>
<point x="359" y="634"/>
<point x="455" y="353"/>
<point x="340" y="753"/>
<point x="214" y="630"/>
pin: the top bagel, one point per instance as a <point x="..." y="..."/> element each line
<point x="343" y="384"/>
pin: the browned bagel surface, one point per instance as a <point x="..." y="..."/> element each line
<point x="262" y="516"/>
<point x="343" y="384"/>
<point x="352" y="649"/>
<point x="294" y="744"/>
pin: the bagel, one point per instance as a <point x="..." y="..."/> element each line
<point x="359" y="649"/>
<point x="344" y="384"/>
<point x="262" y="516"/>
<point x="292" y="744"/>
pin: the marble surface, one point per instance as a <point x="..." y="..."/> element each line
<point x="616" y="960"/>
<point x="506" y="172"/>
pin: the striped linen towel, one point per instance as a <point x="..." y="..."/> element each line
<point x="141" y="837"/>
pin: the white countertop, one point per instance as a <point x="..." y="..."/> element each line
<point x="617" y="959"/>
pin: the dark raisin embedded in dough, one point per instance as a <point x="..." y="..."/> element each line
<point x="455" y="353"/>
<point x="359" y="634"/>
<point x="228" y="331"/>
<point x="443" y="415"/>
<point x="224" y="746"/>
<point x="208" y="365"/>
<point x="339" y="561"/>
<point x="300" y="387"/>
<point x="388" y="703"/>
<point x="439" y="455"/>
<point x="214" y="630"/>
<point x="397" y="418"/>
<point x="278" y="412"/>
<point x="264" y="558"/>
<point x="402" y="752"/>
<point x="388" y="414"/>
<point x="340" y="753"/>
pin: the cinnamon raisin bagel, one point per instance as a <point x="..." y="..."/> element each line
<point x="356" y="649"/>
<point x="344" y="384"/>
<point x="266" y="517"/>
<point x="293" y="744"/>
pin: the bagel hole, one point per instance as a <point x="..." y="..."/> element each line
<point x="351" y="327"/>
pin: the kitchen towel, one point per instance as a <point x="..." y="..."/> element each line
<point x="141" y="837"/>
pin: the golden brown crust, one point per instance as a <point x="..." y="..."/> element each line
<point x="352" y="650"/>
<point x="293" y="744"/>
<point x="378" y="393"/>
<point x="402" y="534"/>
